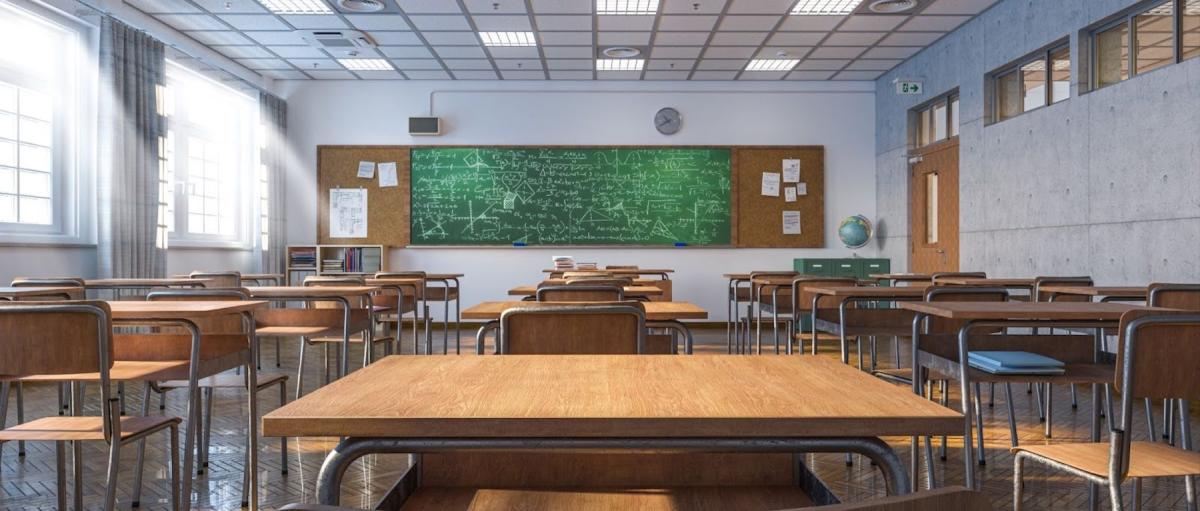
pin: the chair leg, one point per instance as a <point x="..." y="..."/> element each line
<point x="141" y="451"/>
<point x="1037" y="399"/>
<point x="121" y="395"/>
<point x="4" y="386"/>
<point x="283" y="441"/>
<point x="1049" y="404"/>
<point x="77" y="447"/>
<point x="1018" y="475"/>
<point x="1074" y="398"/>
<point x="175" y="489"/>
<point x="325" y="349"/>
<point x="62" y="401"/>
<point x="1185" y="441"/>
<point x="60" y="466"/>
<point x="114" y="456"/>
<point x="300" y="370"/>
<point x="1135" y="496"/>
<point x="944" y="391"/>
<point x="1115" y="500"/>
<point x="1012" y="415"/>
<point x="277" y="361"/>
<point x="979" y="423"/>
<point x="20" y="416"/>
<point x="1150" y="421"/>
<point x="206" y="440"/>
<point x="1168" y="417"/>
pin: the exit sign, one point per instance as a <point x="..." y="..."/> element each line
<point x="909" y="87"/>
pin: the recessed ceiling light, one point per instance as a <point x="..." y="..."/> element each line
<point x="825" y="7"/>
<point x="619" y="64"/>
<point x="621" y="52"/>
<point x="366" y="64"/>
<point x="627" y="7"/>
<point x="772" y="64"/>
<point x="891" y="6"/>
<point x="508" y="38"/>
<point x="296" y="6"/>
<point x="361" y="5"/>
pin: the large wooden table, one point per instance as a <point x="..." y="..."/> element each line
<point x="658" y="314"/>
<point x="609" y="403"/>
<point x="13" y="293"/>
<point x="629" y="291"/>
<point x="185" y="314"/>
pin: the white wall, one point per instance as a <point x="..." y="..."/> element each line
<point x="839" y="116"/>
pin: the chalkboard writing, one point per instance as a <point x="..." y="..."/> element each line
<point x="570" y="196"/>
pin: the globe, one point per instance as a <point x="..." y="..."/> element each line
<point x="855" y="231"/>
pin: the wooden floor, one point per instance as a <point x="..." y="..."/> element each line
<point x="29" y="482"/>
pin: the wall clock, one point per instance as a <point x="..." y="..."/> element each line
<point x="668" y="121"/>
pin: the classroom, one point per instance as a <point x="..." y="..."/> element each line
<point x="655" y="255"/>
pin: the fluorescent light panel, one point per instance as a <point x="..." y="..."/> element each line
<point x="508" y="38"/>
<point x="772" y="64"/>
<point x="825" y="7"/>
<point x="619" y="64"/>
<point x="627" y="7"/>
<point x="366" y="64"/>
<point x="296" y="6"/>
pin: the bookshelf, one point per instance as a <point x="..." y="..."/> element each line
<point x="305" y="260"/>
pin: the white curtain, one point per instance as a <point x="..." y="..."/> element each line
<point x="131" y="234"/>
<point x="273" y="116"/>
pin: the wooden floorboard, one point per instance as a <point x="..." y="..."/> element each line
<point x="28" y="483"/>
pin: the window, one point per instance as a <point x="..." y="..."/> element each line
<point x="210" y="161"/>
<point x="43" y="91"/>
<point x="1156" y="35"/>
<point x="931" y="208"/>
<point x="1039" y="79"/>
<point x="936" y="121"/>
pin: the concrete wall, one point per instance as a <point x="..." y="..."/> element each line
<point x="839" y="116"/>
<point x="1105" y="184"/>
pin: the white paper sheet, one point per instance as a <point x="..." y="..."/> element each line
<point x="387" y="175"/>
<point x="770" y="184"/>
<point x="789" y="194"/>
<point x="791" y="171"/>
<point x="801" y="188"/>
<point x="366" y="169"/>
<point x="347" y="213"/>
<point x="791" y="222"/>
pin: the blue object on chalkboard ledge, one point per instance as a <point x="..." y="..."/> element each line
<point x="518" y="243"/>
<point x="680" y="244"/>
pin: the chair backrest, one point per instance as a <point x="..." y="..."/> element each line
<point x="936" y="276"/>
<point x="935" y="325"/>
<point x="1042" y="296"/>
<point x="621" y="267"/>
<point x="1174" y="296"/>
<point x="802" y="299"/>
<point x="414" y="274"/>
<point x="219" y="279"/>
<point x="55" y="338"/>
<point x="226" y="324"/>
<point x="580" y="293"/>
<point x="611" y="328"/>
<point x="79" y="293"/>
<point x="323" y="280"/>
<point x="950" y="498"/>
<point x="600" y="281"/>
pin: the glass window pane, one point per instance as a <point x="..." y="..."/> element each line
<point x="36" y="184"/>
<point x="8" y="208"/>
<point x="195" y="223"/>
<point x="1033" y="84"/>
<point x="931" y="208"/>
<point x="925" y="129"/>
<point x="36" y="105"/>
<point x="35" y="210"/>
<point x="1008" y="95"/>
<point x="1060" y="74"/>
<point x="939" y="121"/>
<point x="8" y="125"/>
<point x="1112" y="55"/>
<point x="8" y="180"/>
<point x="954" y="117"/>
<point x="1191" y="29"/>
<point x="1155" y="34"/>
<point x="8" y="153"/>
<point x="35" y="158"/>
<point x="8" y="98"/>
<point x="34" y="131"/>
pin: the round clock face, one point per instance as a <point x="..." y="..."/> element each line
<point x="668" y="121"/>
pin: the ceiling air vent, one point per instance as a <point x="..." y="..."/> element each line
<point x="337" y="39"/>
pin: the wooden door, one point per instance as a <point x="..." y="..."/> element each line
<point x="933" y="226"/>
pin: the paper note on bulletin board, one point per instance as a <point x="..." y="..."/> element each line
<point x="347" y="213"/>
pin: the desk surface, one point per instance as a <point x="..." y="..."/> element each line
<point x="629" y="290"/>
<point x="1050" y="311"/>
<point x="977" y="281"/>
<point x="33" y="291"/>
<point x="563" y="396"/>
<point x="902" y="277"/>
<point x="140" y="283"/>
<point x="1125" y="291"/>
<point x="308" y="291"/>
<point x="636" y="282"/>
<point x="615" y="271"/>
<point x="870" y="291"/>
<point x="170" y="309"/>
<point x="655" y="311"/>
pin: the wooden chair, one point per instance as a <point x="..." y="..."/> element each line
<point x="1157" y="357"/>
<point x="574" y="328"/>
<point x="801" y="301"/>
<point x="219" y="279"/>
<point x="580" y="293"/>
<point x="1172" y="296"/>
<point x="1038" y="295"/>
<point x="78" y="293"/>
<point x="360" y="312"/>
<point x="392" y="303"/>
<point x="759" y="302"/>
<point x="445" y="294"/>
<point x="73" y="341"/>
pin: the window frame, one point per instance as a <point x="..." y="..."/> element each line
<point x="948" y="100"/>
<point x="1045" y="56"/>
<point x="1128" y="18"/>
<point x="75" y="124"/>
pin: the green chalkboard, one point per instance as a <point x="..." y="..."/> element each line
<point x="570" y="196"/>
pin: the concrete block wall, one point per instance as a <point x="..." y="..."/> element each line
<point x="1105" y="184"/>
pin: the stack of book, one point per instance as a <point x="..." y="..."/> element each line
<point x="1014" y="362"/>
<point x="564" y="263"/>
<point x="585" y="266"/>
<point x="303" y="257"/>
<point x="332" y="265"/>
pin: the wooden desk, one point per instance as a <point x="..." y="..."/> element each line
<point x="610" y="403"/>
<point x="14" y="293"/>
<point x="868" y="322"/>
<point x="119" y="285"/>
<point x="1011" y="283"/>
<point x="311" y="294"/>
<point x="636" y="282"/>
<point x="629" y="291"/>
<point x="257" y="278"/>
<point x="1104" y="293"/>
<point x="658" y="315"/>
<point x="661" y="272"/>
<point x="895" y="278"/>
<point x="185" y="314"/>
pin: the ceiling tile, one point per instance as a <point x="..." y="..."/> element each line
<point x="562" y="6"/>
<point x="681" y="38"/>
<point x="873" y="64"/>
<point x="525" y="64"/>
<point x="406" y="52"/>
<point x="243" y="52"/>
<point x="933" y="23"/>
<point x="192" y="21"/>
<point x="872" y="23"/>
<point x="331" y="75"/>
<point x="308" y="22"/>
<point x="686" y="23"/>
<point x="495" y="6"/>
<point x="427" y="75"/>
<point x="396" y="38"/>
<point x="559" y="22"/>
<point x="969" y="7"/>
<point x="853" y="38"/>
<point x="570" y="64"/>
<point x="836" y="52"/>
<point x="629" y="38"/>
<point x="667" y="75"/>
<point x="748" y="22"/>
<point x="504" y="52"/>
<point x="468" y="63"/>
<point x="229" y="6"/>
<point x="567" y="52"/>
<point x="451" y="38"/>
<point x="475" y="75"/>
<point x="254" y="22"/>
<point x="502" y="23"/>
<point x="406" y="64"/>
<point x="675" y="52"/>
<point x="523" y="75"/>
<point x="670" y="64"/>
<point x="318" y="64"/>
<point x="570" y="75"/>
<point x="911" y="39"/>
<point x="269" y="38"/>
<point x="857" y="75"/>
<point x="790" y="52"/>
<point x="378" y="22"/>
<point x="163" y="6"/>
<point x="267" y="63"/>
<point x="763" y="75"/>
<point x="693" y="6"/>
<point x="811" y="23"/>
<point x="460" y="52"/>
<point x="211" y="37"/>
<point x="891" y="52"/>
<point x="283" y="74"/>
<point x="714" y="75"/>
<point x="565" y="38"/>
<point x="442" y="22"/>
<point x="712" y="64"/>
<point x="796" y="38"/>
<point x="729" y="52"/>
<point x="738" y="38"/>
<point x="780" y="7"/>
<point x="619" y="75"/>
<point x="822" y="65"/>
<point x="379" y="75"/>
<point x="625" y="23"/>
<point x="810" y="75"/>
<point x="428" y="6"/>
<point x="297" y="52"/>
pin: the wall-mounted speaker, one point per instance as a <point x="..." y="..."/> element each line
<point x="424" y="126"/>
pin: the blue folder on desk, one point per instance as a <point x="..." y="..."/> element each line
<point x="1014" y="362"/>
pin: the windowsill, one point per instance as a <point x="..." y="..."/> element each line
<point x="1018" y="116"/>
<point x="208" y="245"/>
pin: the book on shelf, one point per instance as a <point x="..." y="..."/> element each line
<point x="302" y="257"/>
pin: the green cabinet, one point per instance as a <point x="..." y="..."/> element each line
<point x="848" y="267"/>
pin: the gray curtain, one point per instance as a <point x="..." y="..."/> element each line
<point x="273" y="116"/>
<point x="131" y="237"/>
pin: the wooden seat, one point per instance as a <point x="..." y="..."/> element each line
<point x="950" y="498"/>
<point x="125" y="370"/>
<point x="59" y="429"/>
<point x="1148" y="459"/>
<point x="227" y="381"/>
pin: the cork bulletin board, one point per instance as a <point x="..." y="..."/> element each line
<point x="387" y="208"/>
<point x="758" y="219"/>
